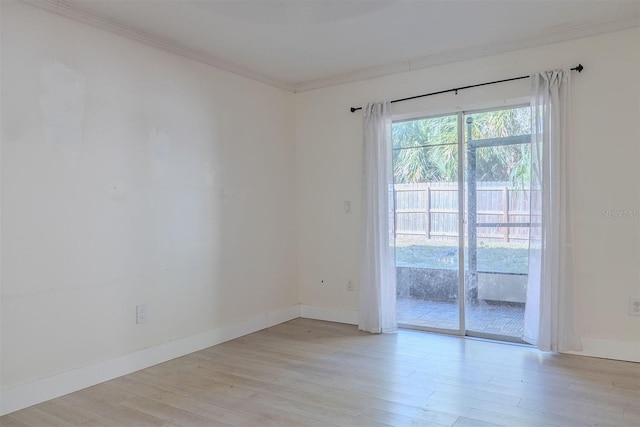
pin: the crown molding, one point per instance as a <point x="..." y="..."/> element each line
<point x="61" y="8"/>
<point x="554" y="35"/>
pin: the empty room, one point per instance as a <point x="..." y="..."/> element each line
<point x="319" y="213"/>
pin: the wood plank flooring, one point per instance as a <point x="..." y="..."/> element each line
<point x="314" y="373"/>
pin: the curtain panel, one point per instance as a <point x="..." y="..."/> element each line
<point x="377" y="299"/>
<point x="550" y="304"/>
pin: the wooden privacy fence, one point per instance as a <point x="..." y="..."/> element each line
<point x="431" y="210"/>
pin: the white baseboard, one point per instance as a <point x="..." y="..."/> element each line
<point x="609" y="349"/>
<point x="25" y="395"/>
<point x="339" y="315"/>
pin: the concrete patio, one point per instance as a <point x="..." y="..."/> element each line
<point x="491" y="319"/>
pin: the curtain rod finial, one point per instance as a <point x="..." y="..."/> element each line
<point x="579" y="68"/>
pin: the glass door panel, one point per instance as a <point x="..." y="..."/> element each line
<point x="425" y="164"/>
<point x="497" y="148"/>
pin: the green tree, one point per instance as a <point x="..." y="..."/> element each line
<point x="503" y="163"/>
<point x="426" y="150"/>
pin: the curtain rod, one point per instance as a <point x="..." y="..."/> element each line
<point x="578" y="68"/>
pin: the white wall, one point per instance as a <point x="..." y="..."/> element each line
<point x="604" y="175"/>
<point x="129" y="176"/>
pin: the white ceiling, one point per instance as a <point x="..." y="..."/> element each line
<point x="301" y="44"/>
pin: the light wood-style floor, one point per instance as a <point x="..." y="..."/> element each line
<point x="314" y="373"/>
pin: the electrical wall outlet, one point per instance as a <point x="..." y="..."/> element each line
<point x="634" y="306"/>
<point x="141" y="313"/>
<point x="350" y="286"/>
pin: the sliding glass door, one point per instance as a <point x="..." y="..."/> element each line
<point x="462" y="221"/>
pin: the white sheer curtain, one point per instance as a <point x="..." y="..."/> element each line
<point x="550" y="307"/>
<point x="377" y="307"/>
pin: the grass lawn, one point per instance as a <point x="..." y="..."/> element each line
<point x="419" y="252"/>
